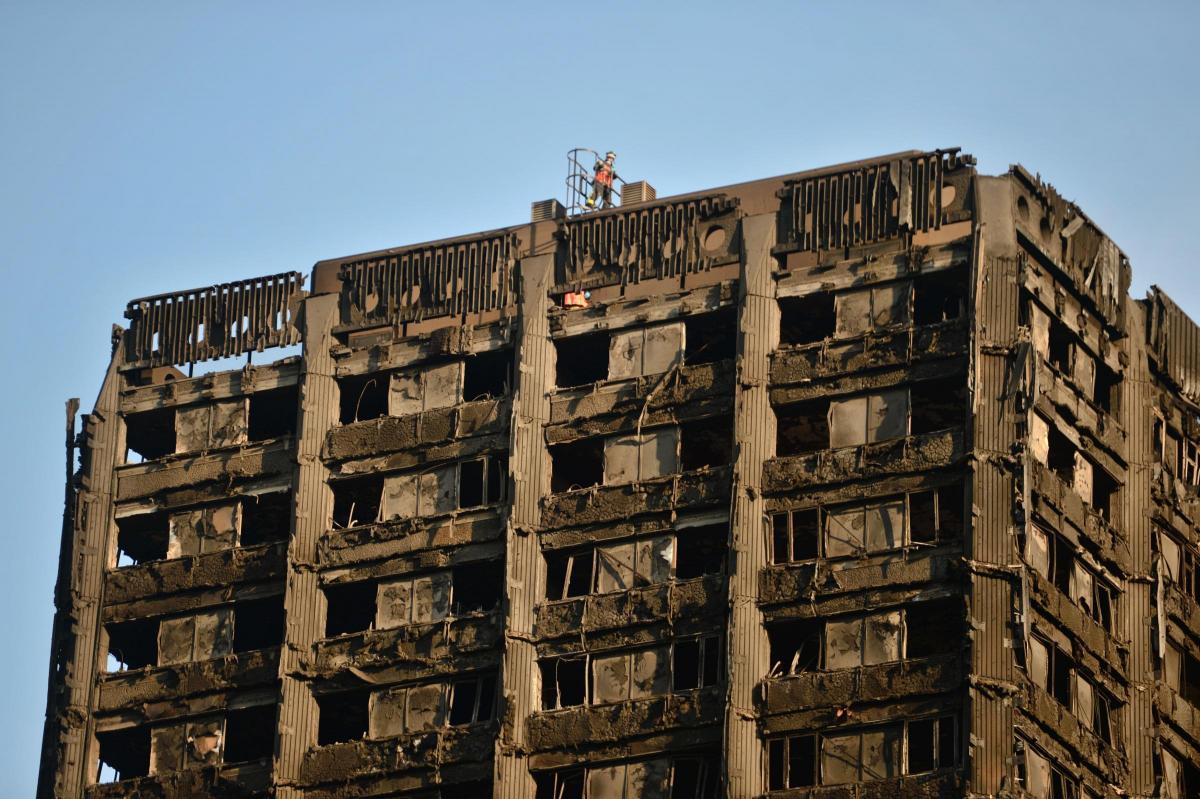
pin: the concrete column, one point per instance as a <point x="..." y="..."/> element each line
<point x="313" y="505"/>
<point x="754" y="432"/>
<point x="529" y="464"/>
<point x="70" y="762"/>
<point x="995" y="488"/>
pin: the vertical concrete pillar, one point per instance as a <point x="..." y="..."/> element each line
<point x="995" y="490"/>
<point x="1136" y="615"/>
<point x="754" y="433"/>
<point x="529" y="464"/>
<point x="313" y="505"/>
<point x="69" y="763"/>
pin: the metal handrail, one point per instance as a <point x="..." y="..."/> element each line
<point x="579" y="181"/>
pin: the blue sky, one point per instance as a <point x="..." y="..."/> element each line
<point x="158" y="146"/>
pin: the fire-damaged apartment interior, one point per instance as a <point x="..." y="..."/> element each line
<point x="864" y="481"/>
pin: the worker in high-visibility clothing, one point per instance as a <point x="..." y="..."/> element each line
<point x="602" y="181"/>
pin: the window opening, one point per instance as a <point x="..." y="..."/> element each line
<point x="356" y="500"/>
<point x="273" y="413"/>
<point x="350" y="608"/>
<point x="807" y="319"/>
<point x="343" y="716"/>
<point x="710" y="337"/>
<point x="581" y="360"/>
<point x="488" y="375"/>
<point x="579" y="464"/>
<point x="363" y="397"/>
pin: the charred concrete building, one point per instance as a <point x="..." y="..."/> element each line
<point x="867" y="481"/>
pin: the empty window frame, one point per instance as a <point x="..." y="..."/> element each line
<point x="706" y="443"/>
<point x="1182" y="563"/>
<point x="124" y="754"/>
<point x="142" y="538"/>
<point x="258" y="623"/>
<point x="635" y="563"/>
<point x="581" y="360"/>
<point x="1053" y="557"/>
<point x="575" y="465"/>
<point x="937" y="405"/>
<point x="1088" y="480"/>
<point x="940" y="296"/>
<point x="273" y="413"/>
<point x="1181" y="671"/>
<point x="472" y="700"/>
<point x="482" y="481"/>
<point x="710" y="337"/>
<point x="476" y="588"/>
<point x="919" y="630"/>
<point x="420" y="708"/>
<point x="343" y="716"/>
<point x="1041" y="776"/>
<point x="802" y="427"/>
<point x="132" y="644"/>
<point x="915" y="746"/>
<point x="686" y="777"/>
<point x="357" y="500"/>
<point x="350" y="607"/>
<point x="363" y="397"/>
<point x="149" y="434"/>
<point x="807" y="319"/>
<point x="920" y="518"/>
<point x="249" y="734"/>
<point x="488" y="375"/>
<point x="1177" y="453"/>
<point x="266" y="518"/>
<point x="608" y="677"/>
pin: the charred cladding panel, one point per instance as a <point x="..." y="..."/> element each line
<point x="862" y="481"/>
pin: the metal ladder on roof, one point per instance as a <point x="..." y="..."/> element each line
<point x="579" y="181"/>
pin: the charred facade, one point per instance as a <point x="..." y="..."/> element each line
<point x="867" y="481"/>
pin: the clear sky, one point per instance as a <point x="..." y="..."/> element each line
<point x="146" y="147"/>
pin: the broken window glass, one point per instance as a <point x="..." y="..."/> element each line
<point x="874" y="308"/>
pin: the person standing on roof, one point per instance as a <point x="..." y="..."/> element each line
<point x="602" y="181"/>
